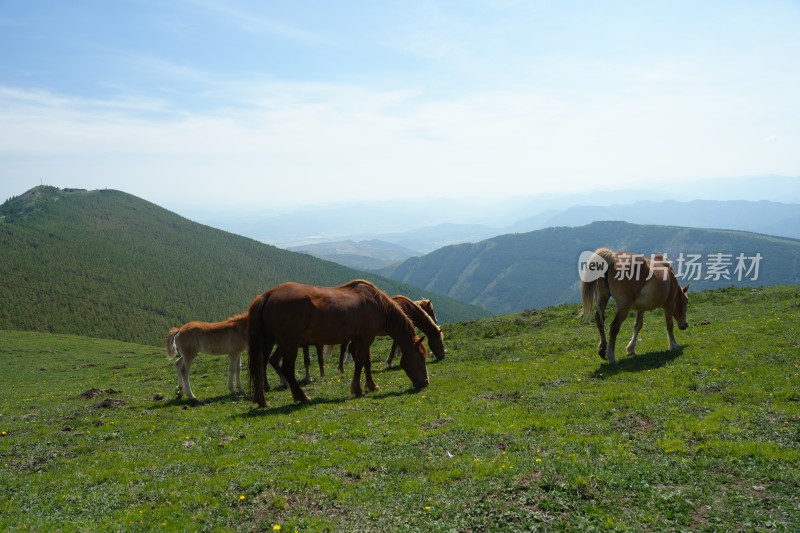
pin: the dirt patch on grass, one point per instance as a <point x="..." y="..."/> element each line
<point x="95" y="392"/>
<point x="108" y="403"/>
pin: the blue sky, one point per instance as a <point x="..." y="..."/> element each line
<point x="280" y="104"/>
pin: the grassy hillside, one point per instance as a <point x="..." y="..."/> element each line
<point x="108" y="264"/>
<point x="523" y="427"/>
<point x="514" y="272"/>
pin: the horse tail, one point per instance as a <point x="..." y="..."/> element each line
<point x="172" y="349"/>
<point x="589" y="288"/>
<point x="260" y="343"/>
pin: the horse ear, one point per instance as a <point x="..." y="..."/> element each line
<point x="420" y="340"/>
<point x="686" y="288"/>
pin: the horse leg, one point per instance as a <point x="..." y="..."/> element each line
<point x="307" y="363"/>
<point x="184" y="371"/>
<point x="234" y="368"/>
<point x="631" y="348"/>
<point x="600" y="321"/>
<point x="673" y="344"/>
<point x="239" y="373"/>
<point x="275" y="360"/>
<point x="327" y="352"/>
<point x="178" y="371"/>
<point x="342" y="350"/>
<point x="363" y="352"/>
<point x="320" y="360"/>
<point x="622" y="314"/>
<point x="355" y="385"/>
<point x="289" y="357"/>
<point x="391" y="354"/>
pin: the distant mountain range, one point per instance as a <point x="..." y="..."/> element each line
<point x="766" y="217"/>
<point x="771" y="218"/>
<point x="425" y="224"/>
<point x="514" y="272"/>
<point x="362" y="255"/>
<point x="109" y="264"/>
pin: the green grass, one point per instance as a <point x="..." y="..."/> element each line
<point x="522" y="427"/>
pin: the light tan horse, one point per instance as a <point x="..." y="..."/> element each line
<point x="211" y="338"/>
<point x="638" y="283"/>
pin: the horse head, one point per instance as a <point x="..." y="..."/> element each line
<point x="681" y="305"/>
<point x="412" y="362"/>
<point x="436" y="343"/>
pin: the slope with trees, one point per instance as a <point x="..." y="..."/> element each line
<point x="108" y="264"/>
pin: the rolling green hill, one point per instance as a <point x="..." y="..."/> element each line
<point x="523" y="428"/>
<point x="514" y="272"/>
<point x="108" y="264"/>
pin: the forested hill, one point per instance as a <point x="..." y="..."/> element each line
<point x="514" y="272"/>
<point x="108" y="264"/>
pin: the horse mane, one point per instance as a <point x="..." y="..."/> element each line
<point x="427" y="305"/>
<point x="419" y="317"/>
<point x="609" y="256"/>
<point x="396" y="319"/>
<point x="239" y="318"/>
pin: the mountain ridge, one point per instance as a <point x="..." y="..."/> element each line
<point x="514" y="272"/>
<point x="107" y="264"/>
<point x="757" y="216"/>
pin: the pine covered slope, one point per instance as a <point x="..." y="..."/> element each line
<point x="108" y="264"/>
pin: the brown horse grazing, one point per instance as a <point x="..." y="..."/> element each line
<point x="638" y="283"/>
<point x="293" y="315"/>
<point x="421" y="314"/>
<point x="212" y="338"/>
